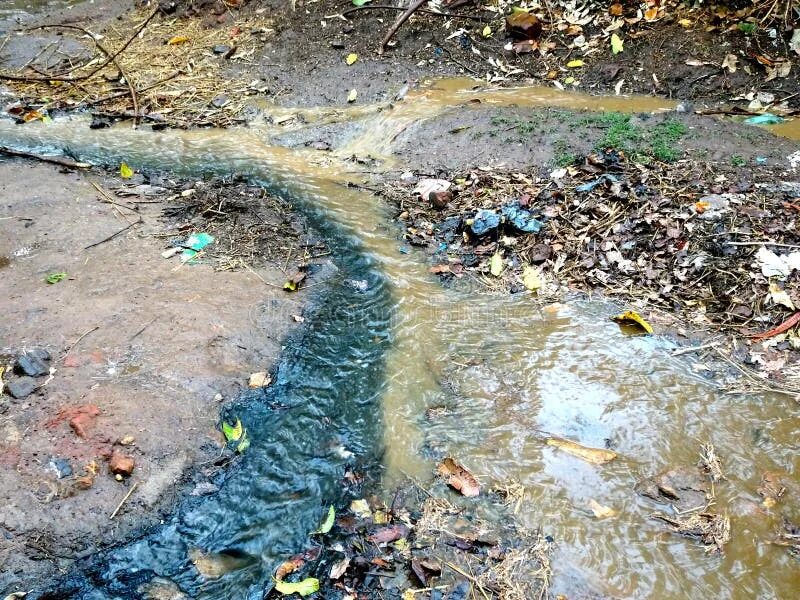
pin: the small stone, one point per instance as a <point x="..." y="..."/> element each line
<point x="221" y="49"/>
<point x="220" y="101"/>
<point x="120" y="465"/>
<point x="61" y="467"/>
<point x="20" y="388"/>
<point x="258" y="380"/>
<point x="118" y="477"/>
<point x="440" y="199"/>
<point x="31" y="365"/>
<point x="337" y="44"/>
<point x="127" y="440"/>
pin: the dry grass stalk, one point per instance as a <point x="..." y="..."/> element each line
<point x="711" y="463"/>
<point x="711" y="529"/>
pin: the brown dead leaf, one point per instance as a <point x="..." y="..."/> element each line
<point x="459" y="478"/>
<point x="385" y="535"/>
<point x="597" y="456"/>
<point x="615" y="9"/>
<point x="289" y="566"/>
<point x="524" y="25"/>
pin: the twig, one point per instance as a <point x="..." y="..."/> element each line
<point x="56" y="160"/>
<point x="422" y="10"/>
<point x="138" y="333"/>
<point x="762" y="244"/>
<point x="91" y="73"/>
<point x="108" y="198"/>
<point x="415" y="5"/>
<point x="113" y="235"/>
<point x="682" y="351"/>
<point x="124" y="500"/>
<point x="75" y="343"/>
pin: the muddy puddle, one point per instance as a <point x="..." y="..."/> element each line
<point x="393" y="370"/>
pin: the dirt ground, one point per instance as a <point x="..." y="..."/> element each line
<point x="143" y="367"/>
<point x="143" y="353"/>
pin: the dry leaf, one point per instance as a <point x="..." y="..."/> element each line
<point x="629" y="317"/>
<point x="258" y="380"/>
<point x="178" y="39"/>
<point x="459" y="478"/>
<point x="339" y="568"/>
<point x="600" y="511"/>
<point x="597" y="456"/>
<point x="730" y="63"/>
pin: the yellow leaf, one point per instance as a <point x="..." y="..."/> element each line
<point x="597" y="456"/>
<point x="630" y="316"/>
<point x="574" y="64"/>
<point x="178" y="39"/>
<point x="290" y="286"/>
<point x="487" y="32"/>
<point x="351" y="58"/>
<point x="651" y="14"/>
<point x="616" y="44"/>
<point x="408" y="595"/>
<point x="496" y="264"/>
<point x="686" y="23"/>
<point x="125" y="171"/>
<point x="569" y="80"/>
<point x="531" y="278"/>
<point x="306" y="587"/>
<point x="351" y="97"/>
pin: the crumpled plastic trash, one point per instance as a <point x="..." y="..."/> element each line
<point x="484" y="221"/>
<point x="780" y="266"/>
<point x="521" y="218"/>
<point x="765" y="119"/>
<point x="588" y="187"/>
<point x="193" y="244"/>
<point x="426" y="187"/>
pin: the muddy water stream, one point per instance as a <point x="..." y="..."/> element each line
<point x="387" y="342"/>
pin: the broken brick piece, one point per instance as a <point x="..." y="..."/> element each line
<point x="120" y="464"/>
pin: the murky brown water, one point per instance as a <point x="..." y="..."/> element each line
<point x="507" y="368"/>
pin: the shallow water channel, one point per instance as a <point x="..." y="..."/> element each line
<point x="386" y="342"/>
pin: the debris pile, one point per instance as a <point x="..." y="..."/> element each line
<point x="715" y="249"/>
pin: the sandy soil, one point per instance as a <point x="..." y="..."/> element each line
<point x="164" y="347"/>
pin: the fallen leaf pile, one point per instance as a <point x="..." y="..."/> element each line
<point x="717" y="252"/>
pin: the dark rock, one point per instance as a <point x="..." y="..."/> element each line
<point x="220" y="101"/>
<point x="39" y="353"/>
<point x="337" y="44"/>
<point x="31" y="365"/>
<point x="21" y="387"/>
<point x="683" y="487"/>
<point x="221" y="49"/>
<point x="61" y="466"/>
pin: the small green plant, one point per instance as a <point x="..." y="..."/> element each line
<point x="737" y="160"/>
<point x="639" y="141"/>
<point x="746" y="28"/>
<point x="563" y="157"/>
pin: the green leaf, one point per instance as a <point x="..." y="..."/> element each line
<point x="616" y="44"/>
<point x="55" y="277"/>
<point x="244" y="444"/>
<point x="305" y="588"/>
<point x="361" y="2"/>
<point x="496" y="264"/>
<point x="327" y="525"/>
<point x="232" y="433"/>
<point x="125" y="171"/>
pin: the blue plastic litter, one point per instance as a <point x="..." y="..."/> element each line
<point x="761" y="160"/>
<point x="484" y="221"/>
<point x="588" y="187"/>
<point x="404" y="249"/>
<point x="765" y="119"/>
<point x="521" y="218"/>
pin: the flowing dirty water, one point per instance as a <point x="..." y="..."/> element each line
<point x="387" y="342"/>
